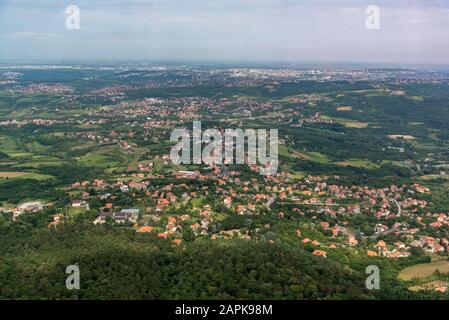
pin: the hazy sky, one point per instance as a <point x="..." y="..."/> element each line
<point x="274" y="30"/>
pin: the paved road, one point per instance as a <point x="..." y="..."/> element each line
<point x="399" y="206"/>
<point x="270" y="201"/>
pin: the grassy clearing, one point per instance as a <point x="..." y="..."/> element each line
<point x="344" y="108"/>
<point x="59" y="134"/>
<point x="424" y="270"/>
<point x="98" y="160"/>
<point x="24" y="175"/>
<point x="303" y="155"/>
<point x="20" y="154"/>
<point x="38" y="164"/>
<point x="40" y="161"/>
<point x="416" y="98"/>
<point x="296" y="175"/>
<point x="359" y="164"/>
<point x="85" y="145"/>
<point x="36" y="147"/>
<point x="132" y="165"/>
<point x="284" y="151"/>
<point x="8" y="145"/>
<point x="197" y="202"/>
<point x="72" y="212"/>
<point x="7" y="163"/>
<point x="317" y="157"/>
<point x="11" y="175"/>
<point x="347" y="122"/>
<point x="356" y="125"/>
<point x="106" y="157"/>
<point x="433" y="177"/>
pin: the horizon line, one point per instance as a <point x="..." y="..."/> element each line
<point x="217" y="61"/>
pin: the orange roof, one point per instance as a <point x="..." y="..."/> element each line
<point x="396" y="254"/>
<point x="53" y="224"/>
<point x="371" y="253"/>
<point x="145" y="229"/>
<point x="319" y="253"/>
<point x="441" y="289"/>
<point x="381" y="243"/>
<point x="171" y="219"/>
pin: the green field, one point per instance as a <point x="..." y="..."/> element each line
<point x="424" y="270"/>
<point x="24" y="175"/>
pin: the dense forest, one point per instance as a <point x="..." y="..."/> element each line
<point x="117" y="263"/>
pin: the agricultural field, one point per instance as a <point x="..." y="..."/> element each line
<point x="424" y="270"/>
<point x="24" y="175"/>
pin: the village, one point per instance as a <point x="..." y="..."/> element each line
<point x="323" y="211"/>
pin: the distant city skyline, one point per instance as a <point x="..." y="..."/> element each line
<point x="411" y="32"/>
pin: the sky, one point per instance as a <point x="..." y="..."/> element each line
<point x="411" y="31"/>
